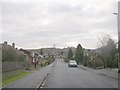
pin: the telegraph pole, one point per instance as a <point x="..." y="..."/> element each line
<point x="118" y="22"/>
<point x="54" y="46"/>
<point x="118" y="19"/>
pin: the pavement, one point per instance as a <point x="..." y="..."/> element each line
<point x="31" y="80"/>
<point x="113" y="73"/>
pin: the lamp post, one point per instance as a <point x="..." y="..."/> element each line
<point x="118" y="22"/>
<point x="117" y="14"/>
<point x="118" y="30"/>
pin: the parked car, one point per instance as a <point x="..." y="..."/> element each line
<point x="72" y="63"/>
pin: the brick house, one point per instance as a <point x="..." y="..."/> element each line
<point x="28" y="56"/>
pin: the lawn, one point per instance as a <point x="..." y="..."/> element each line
<point x="13" y="78"/>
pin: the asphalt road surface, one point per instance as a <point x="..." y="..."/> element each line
<point x="32" y="80"/>
<point x="63" y="76"/>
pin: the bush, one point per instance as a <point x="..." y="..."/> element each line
<point x="11" y="54"/>
<point x="13" y="59"/>
<point x="43" y="64"/>
<point x="65" y="59"/>
<point x="89" y="63"/>
<point x="95" y="63"/>
<point x="85" y="62"/>
<point x="115" y="61"/>
<point x="47" y="62"/>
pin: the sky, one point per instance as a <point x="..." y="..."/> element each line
<point x="63" y="23"/>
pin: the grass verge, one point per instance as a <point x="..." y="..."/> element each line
<point x="13" y="78"/>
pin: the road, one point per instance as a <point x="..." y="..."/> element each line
<point x="32" y="80"/>
<point x="63" y="76"/>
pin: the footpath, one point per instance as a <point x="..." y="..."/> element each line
<point x="113" y="73"/>
<point x="32" y="80"/>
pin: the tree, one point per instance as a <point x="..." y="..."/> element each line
<point x="62" y="53"/>
<point x="107" y="49"/>
<point x="79" y="55"/>
<point x="115" y="61"/>
<point x="41" y="51"/>
<point x="70" y="54"/>
<point x="85" y="63"/>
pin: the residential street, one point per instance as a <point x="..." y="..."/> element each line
<point x="63" y="76"/>
<point x="32" y="80"/>
<point x="60" y="44"/>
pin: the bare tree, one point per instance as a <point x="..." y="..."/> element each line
<point x="106" y="46"/>
<point x="103" y="40"/>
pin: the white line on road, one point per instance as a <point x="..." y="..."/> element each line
<point x="42" y="83"/>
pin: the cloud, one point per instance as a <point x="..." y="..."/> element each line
<point x="44" y="22"/>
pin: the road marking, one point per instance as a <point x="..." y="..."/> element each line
<point x="42" y="83"/>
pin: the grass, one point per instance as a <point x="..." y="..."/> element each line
<point x="13" y="78"/>
<point x="0" y="84"/>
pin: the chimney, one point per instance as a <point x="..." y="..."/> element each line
<point x="5" y="43"/>
<point x="13" y="45"/>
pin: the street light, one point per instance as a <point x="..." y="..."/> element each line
<point x="118" y="30"/>
<point x="115" y="13"/>
<point x="118" y="23"/>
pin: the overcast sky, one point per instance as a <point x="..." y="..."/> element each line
<point x="41" y="23"/>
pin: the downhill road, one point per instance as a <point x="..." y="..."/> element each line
<point x="63" y="76"/>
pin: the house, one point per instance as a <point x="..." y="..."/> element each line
<point x="28" y="55"/>
<point x="32" y="57"/>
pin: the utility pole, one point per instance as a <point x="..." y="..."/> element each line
<point x="118" y="24"/>
<point x="54" y="50"/>
<point x="54" y="45"/>
<point x="118" y="18"/>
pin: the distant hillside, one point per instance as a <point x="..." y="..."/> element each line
<point x="52" y="51"/>
<point x="57" y="51"/>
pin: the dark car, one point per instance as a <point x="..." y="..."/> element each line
<point x="72" y="63"/>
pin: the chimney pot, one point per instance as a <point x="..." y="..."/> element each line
<point x="13" y="45"/>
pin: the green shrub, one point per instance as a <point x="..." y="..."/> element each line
<point x="65" y="59"/>
<point x="89" y="63"/>
<point x="47" y="61"/>
<point x="97" y="63"/>
<point x="43" y="63"/>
